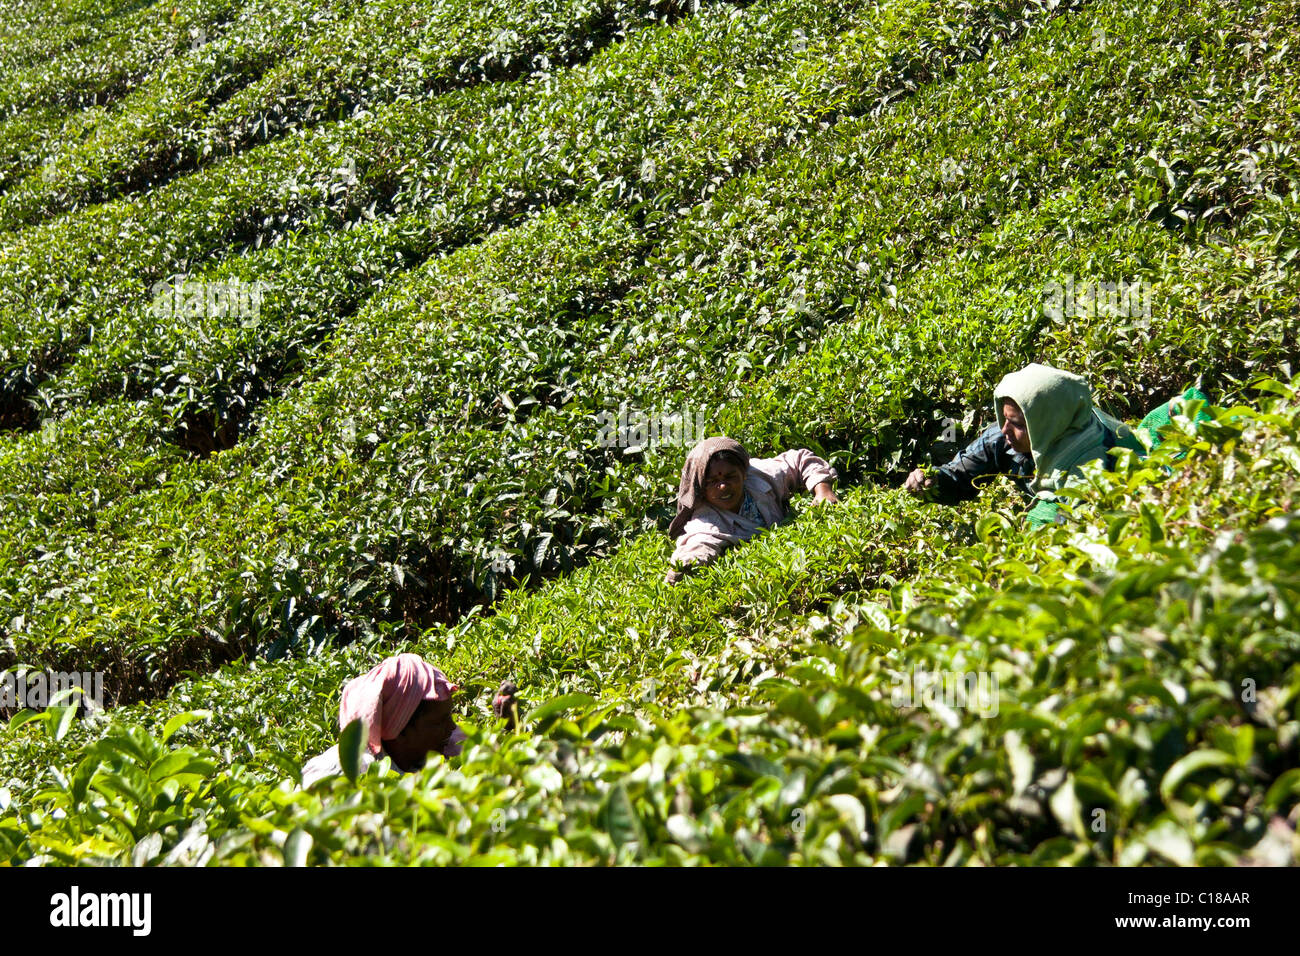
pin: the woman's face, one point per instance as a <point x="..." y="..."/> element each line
<point x="724" y="485"/>
<point x="428" y="731"/>
<point x="1014" y="427"/>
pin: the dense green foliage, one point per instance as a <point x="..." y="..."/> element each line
<point x="478" y="225"/>
<point x="1146" y="680"/>
<point x="457" y="524"/>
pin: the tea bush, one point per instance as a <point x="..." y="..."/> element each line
<point x="822" y="227"/>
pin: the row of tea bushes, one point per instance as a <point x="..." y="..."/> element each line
<point x="516" y="148"/>
<point x="283" y="66"/>
<point x="89" y="56"/>
<point x="467" y="155"/>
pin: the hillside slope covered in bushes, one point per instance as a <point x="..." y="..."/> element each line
<point x="469" y="229"/>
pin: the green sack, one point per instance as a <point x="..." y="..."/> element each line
<point x="1144" y="439"/>
<point x="1042" y="513"/>
<point x="1149" y="429"/>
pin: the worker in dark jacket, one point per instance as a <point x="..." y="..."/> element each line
<point x="1047" y="430"/>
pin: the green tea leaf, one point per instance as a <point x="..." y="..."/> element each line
<point x="180" y="720"/>
<point x="620" y="819"/>
<point x="297" y="847"/>
<point x="352" y="743"/>
<point x="560" y="705"/>
<point x="1190" y="764"/>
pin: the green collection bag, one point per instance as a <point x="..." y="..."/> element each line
<point x="1045" y="511"/>
<point x="1149" y="429"/>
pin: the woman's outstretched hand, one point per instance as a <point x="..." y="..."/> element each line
<point x="918" y="483"/>
<point x="824" y="492"/>
<point x="505" y="703"/>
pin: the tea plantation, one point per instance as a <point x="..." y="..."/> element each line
<point x="435" y="242"/>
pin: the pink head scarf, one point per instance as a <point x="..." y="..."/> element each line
<point x="387" y="696"/>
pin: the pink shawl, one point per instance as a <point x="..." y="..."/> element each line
<point x="387" y="696"/>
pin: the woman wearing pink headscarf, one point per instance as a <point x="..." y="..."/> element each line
<point x="404" y="704"/>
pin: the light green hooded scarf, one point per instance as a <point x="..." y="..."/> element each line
<point x="1065" y="431"/>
